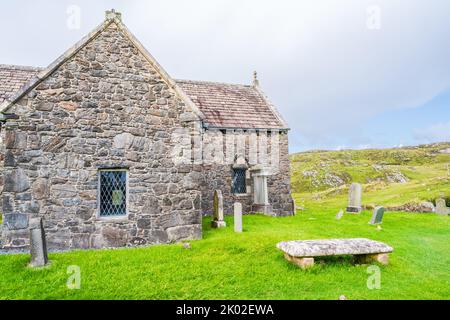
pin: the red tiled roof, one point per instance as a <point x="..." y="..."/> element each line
<point x="12" y="78"/>
<point x="232" y="105"/>
<point x="224" y="105"/>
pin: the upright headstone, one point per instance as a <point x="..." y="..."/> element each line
<point x="38" y="244"/>
<point x="218" y="221"/>
<point x="260" y="190"/>
<point x="354" y="198"/>
<point x="237" y="217"/>
<point x="377" y="215"/>
<point x="441" y="207"/>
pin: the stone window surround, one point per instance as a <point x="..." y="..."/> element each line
<point x="112" y="218"/>
<point x="244" y="180"/>
<point x="247" y="180"/>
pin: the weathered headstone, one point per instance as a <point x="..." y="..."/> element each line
<point x="441" y="207"/>
<point x="354" y="198"/>
<point x="261" y="203"/>
<point x="38" y="244"/>
<point x="218" y="221"/>
<point x="237" y="217"/>
<point x="377" y="215"/>
<point x="340" y="214"/>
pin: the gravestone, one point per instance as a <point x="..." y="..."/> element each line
<point x="237" y="217"/>
<point x="377" y="215"/>
<point x="441" y="207"/>
<point x="261" y="203"/>
<point x="339" y="215"/>
<point x="354" y="198"/>
<point x="38" y="244"/>
<point x="218" y="211"/>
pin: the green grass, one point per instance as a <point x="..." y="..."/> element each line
<point x="395" y="194"/>
<point x="225" y="265"/>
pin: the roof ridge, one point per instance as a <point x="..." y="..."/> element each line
<point x="214" y="82"/>
<point x="20" y="67"/>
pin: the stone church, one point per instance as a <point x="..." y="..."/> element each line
<point x="111" y="151"/>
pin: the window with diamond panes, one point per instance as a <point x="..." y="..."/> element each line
<point x="238" y="184"/>
<point x="113" y="193"/>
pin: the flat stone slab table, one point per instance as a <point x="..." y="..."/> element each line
<point x="302" y="253"/>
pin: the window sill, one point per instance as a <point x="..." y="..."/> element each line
<point x="112" y="218"/>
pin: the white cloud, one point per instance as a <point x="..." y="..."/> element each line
<point x="327" y="72"/>
<point x="433" y="133"/>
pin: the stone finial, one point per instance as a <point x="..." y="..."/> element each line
<point x="112" y="14"/>
<point x="255" y="79"/>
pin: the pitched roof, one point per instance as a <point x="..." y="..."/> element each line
<point x="232" y="105"/>
<point x="217" y="104"/>
<point x="112" y="17"/>
<point x="12" y="78"/>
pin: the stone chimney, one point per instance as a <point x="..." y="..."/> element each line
<point x="112" y="14"/>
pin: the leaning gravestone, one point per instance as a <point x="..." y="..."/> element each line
<point x="340" y="214"/>
<point x="377" y="215"/>
<point x="354" y="198"/>
<point x="218" y="221"/>
<point x="237" y="217"/>
<point x="441" y="207"/>
<point x="38" y="244"/>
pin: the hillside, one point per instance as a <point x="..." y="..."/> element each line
<point x="390" y="176"/>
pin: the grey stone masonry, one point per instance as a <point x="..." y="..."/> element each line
<point x="302" y="253"/>
<point x="105" y="107"/>
<point x="219" y="176"/>
<point x="333" y="247"/>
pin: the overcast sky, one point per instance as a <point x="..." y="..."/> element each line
<point x="344" y="73"/>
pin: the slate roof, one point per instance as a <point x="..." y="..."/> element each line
<point x="224" y="105"/>
<point x="12" y="78"/>
<point x="232" y="105"/>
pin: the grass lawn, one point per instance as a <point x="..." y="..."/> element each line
<point x="225" y="265"/>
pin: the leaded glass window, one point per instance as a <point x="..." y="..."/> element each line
<point x="238" y="184"/>
<point x="113" y="193"/>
